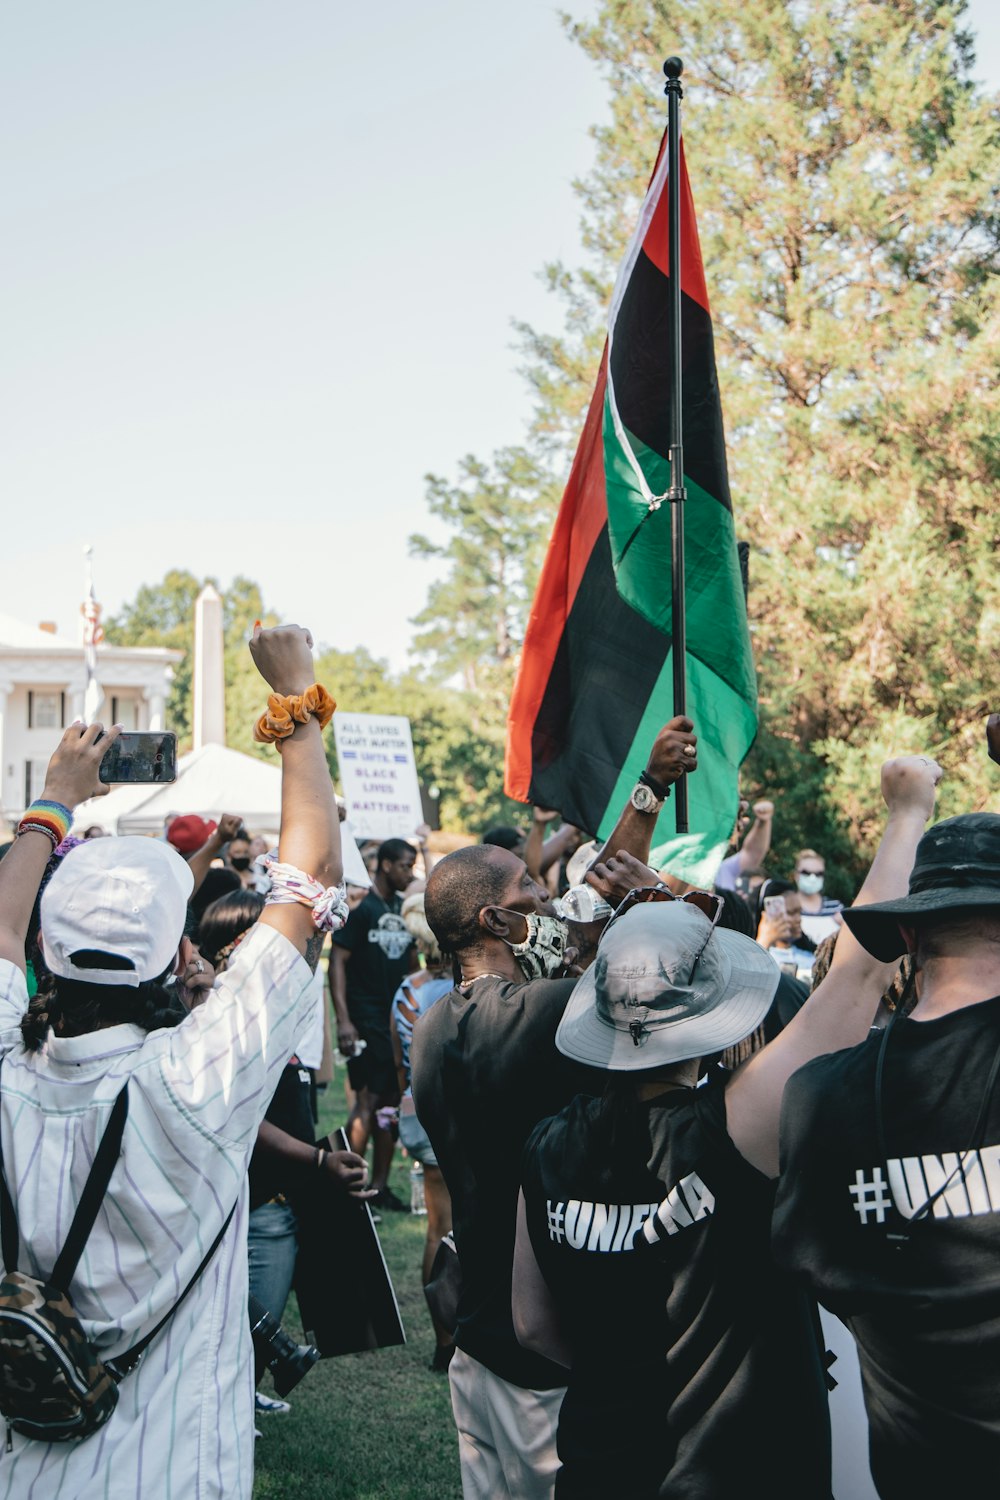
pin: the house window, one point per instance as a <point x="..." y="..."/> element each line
<point x="125" y="711"/>
<point x="46" y="710"/>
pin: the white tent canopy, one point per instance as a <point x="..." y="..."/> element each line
<point x="210" y="781"/>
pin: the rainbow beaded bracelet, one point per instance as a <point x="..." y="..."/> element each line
<point x="50" y="818"/>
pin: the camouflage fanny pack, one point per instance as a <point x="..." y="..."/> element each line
<point x="53" y="1384"/>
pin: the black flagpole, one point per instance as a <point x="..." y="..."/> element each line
<point x="677" y="494"/>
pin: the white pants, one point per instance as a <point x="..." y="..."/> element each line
<point x="506" y="1435"/>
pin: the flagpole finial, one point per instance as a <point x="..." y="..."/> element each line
<point x="673" y="68"/>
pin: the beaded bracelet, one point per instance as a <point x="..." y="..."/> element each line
<point x="284" y="712"/>
<point x="50" y="818"/>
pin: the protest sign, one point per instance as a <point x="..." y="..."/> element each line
<point x="378" y="774"/>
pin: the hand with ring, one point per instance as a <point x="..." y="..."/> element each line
<point x="674" y="753"/>
<point x="195" y="977"/>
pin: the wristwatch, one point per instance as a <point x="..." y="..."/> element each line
<point x="644" y="799"/>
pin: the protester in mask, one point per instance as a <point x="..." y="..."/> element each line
<point x="239" y="858"/>
<point x="485" y="1070"/>
<point x="890" y="1192"/>
<point x="112" y="920"/>
<point x="819" y="912"/>
<point x="368" y="960"/>
<point x="642" y="1259"/>
<point x="781" y="932"/>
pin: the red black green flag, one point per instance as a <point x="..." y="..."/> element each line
<point x="595" y="680"/>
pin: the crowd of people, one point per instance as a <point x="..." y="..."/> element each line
<point x="655" y="1125"/>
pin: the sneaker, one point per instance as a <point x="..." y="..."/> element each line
<point x="257" y="1434"/>
<point x="386" y="1198"/>
<point x="269" y="1405"/>
<point x="442" y="1358"/>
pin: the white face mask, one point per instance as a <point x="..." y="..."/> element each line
<point x="542" y="953"/>
<point x="809" y="884"/>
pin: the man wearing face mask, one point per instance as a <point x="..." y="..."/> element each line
<point x="485" y="1071"/>
<point x="820" y="914"/>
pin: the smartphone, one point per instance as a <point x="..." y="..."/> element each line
<point x="775" y="907"/>
<point x="150" y="755"/>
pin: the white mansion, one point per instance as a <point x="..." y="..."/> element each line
<point x="43" y="678"/>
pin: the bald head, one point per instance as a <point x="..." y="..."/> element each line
<point x="458" y="888"/>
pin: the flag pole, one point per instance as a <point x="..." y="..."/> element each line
<point x="677" y="494"/>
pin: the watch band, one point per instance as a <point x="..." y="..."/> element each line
<point x="658" y="789"/>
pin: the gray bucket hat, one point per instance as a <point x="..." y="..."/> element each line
<point x="957" y="864"/>
<point x="666" y="986"/>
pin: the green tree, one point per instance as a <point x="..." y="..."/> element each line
<point x="845" y="173"/>
<point x="162" y="614"/>
<point x="499" y="518"/>
<point x="462" y="761"/>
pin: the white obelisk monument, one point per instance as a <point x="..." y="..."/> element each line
<point x="209" y="673"/>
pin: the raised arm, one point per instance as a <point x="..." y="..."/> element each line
<point x="72" y="777"/>
<point x="673" y="755"/>
<point x="310" y="827"/>
<point x="200" y="861"/>
<point x="541" y="817"/>
<point x="754" y="848"/>
<point x="840" y="1010"/>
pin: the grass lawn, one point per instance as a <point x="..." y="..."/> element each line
<point x="372" y="1426"/>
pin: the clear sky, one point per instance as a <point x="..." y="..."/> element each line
<point x="258" y="263"/>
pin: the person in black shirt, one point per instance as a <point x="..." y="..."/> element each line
<point x="485" y="1071"/>
<point x="370" y="957"/>
<point x="642" y="1259"/>
<point x="889" y="1200"/>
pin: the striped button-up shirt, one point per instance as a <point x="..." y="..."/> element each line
<point x="183" y="1427"/>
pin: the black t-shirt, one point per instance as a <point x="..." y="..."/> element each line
<point x="377" y="939"/>
<point x="924" y="1309"/>
<point x="697" y="1369"/>
<point x="291" y="1110"/>
<point x="485" y="1071"/>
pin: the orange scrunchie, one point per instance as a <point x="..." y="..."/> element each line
<point x="283" y="713"/>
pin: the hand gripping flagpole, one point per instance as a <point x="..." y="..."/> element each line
<point x="677" y="494"/>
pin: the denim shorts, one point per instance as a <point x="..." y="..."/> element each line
<point x="414" y="1137"/>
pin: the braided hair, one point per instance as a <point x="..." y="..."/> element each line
<point x="76" y="1007"/>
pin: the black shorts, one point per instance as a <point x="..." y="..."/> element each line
<point x="375" y="1068"/>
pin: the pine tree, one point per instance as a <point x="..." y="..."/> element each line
<point x="845" y="174"/>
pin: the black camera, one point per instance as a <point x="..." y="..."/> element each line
<point x="287" y="1361"/>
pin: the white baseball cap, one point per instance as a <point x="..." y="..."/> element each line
<point x="122" y="896"/>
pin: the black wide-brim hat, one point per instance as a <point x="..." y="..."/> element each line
<point x="957" y="864"/>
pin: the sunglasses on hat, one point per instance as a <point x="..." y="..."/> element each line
<point x="708" y="903"/>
